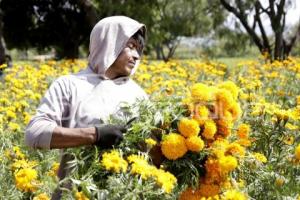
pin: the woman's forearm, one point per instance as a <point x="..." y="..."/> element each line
<point x="72" y="137"/>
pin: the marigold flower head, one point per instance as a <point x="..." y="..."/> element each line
<point x="150" y="142"/>
<point x="213" y="171"/>
<point x="194" y="143"/>
<point x="233" y="195"/>
<point x="54" y="169"/>
<point x="113" y="161"/>
<point x="224" y="127"/>
<point x="231" y="87"/>
<point x="297" y="152"/>
<point x="244" y="142"/>
<point x="235" y="110"/>
<point x="173" y="146"/>
<point x="201" y="114"/>
<point x="80" y="196"/>
<point x="201" y="92"/>
<point x="228" y="163"/>
<point x="42" y="196"/>
<point x="260" y="157"/>
<point x="188" y="127"/>
<point x="235" y="149"/>
<point x="279" y="181"/>
<point x="210" y="129"/>
<point x="190" y="194"/>
<point x="224" y="99"/>
<point x="243" y="131"/>
<point x="298" y="100"/>
<point x="26" y="179"/>
<point x="165" y="179"/>
<point x="18" y="152"/>
<point x="209" y="190"/>
<point x="139" y="165"/>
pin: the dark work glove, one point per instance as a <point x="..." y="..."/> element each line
<point x="109" y="135"/>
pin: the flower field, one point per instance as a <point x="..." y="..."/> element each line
<point x="210" y="131"/>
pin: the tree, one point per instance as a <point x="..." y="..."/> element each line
<point x="45" y="23"/>
<point x="166" y="20"/>
<point x="183" y="18"/>
<point x="277" y="48"/>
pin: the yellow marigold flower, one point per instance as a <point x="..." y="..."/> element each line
<point x="235" y="149"/>
<point x="219" y="147"/>
<point x="18" y="152"/>
<point x="42" y="196"/>
<point x="279" y="182"/>
<point x="231" y="87"/>
<point x="228" y="163"/>
<point x="10" y="114"/>
<point x="165" y="179"/>
<point x="298" y="100"/>
<point x="81" y="196"/>
<point x="139" y="165"/>
<point x="233" y="195"/>
<point x="21" y="164"/>
<point x="297" y="152"/>
<point x="289" y="140"/>
<point x="54" y="169"/>
<point x="209" y="190"/>
<point x="243" y="131"/>
<point x="201" y="92"/>
<point x="194" y="143"/>
<point x="281" y="114"/>
<point x="201" y="114"/>
<point x="112" y="161"/>
<point x="260" y="157"/>
<point x="244" y="142"/>
<point x="210" y="129"/>
<point x="224" y="99"/>
<point x="190" y="194"/>
<point x="235" y="110"/>
<point x="188" y="127"/>
<point x="14" y="126"/>
<point x="173" y="146"/>
<point x="150" y="142"/>
<point x="26" y="179"/>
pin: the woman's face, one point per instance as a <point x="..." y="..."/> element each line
<point x="125" y="62"/>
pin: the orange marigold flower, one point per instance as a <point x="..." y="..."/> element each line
<point x="209" y="190"/>
<point x="190" y="194"/>
<point x="243" y="131"/>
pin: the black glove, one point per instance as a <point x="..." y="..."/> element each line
<point x="109" y="135"/>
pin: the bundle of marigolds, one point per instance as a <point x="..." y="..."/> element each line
<point x="178" y="148"/>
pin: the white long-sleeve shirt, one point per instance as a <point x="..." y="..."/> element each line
<point x="80" y="100"/>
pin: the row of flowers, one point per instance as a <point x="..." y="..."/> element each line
<point x="234" y="159"/>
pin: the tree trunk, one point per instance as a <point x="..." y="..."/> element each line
<point x="69" y="51"/>
<point x="2" y="46"/>
<point x="91" y="15"/>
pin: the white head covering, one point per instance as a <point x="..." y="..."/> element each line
<point x="108" y="38"/>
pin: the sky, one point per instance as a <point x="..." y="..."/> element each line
<point x="292" y="16"/>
